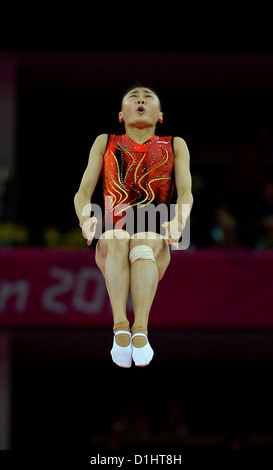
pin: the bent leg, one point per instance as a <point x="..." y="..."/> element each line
<point x="145" y="275"/>
<point x="112" y="258"/>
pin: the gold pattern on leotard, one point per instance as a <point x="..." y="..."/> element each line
<point x="134" y="173"/>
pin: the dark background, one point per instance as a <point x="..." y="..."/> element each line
<point x="212" y="68"/>
<point x="215" y="81"/>
<point x="219" y="102"/>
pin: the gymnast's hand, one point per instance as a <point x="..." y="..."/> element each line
<point x="88" y="226"/>
<point x="173" y="232"/>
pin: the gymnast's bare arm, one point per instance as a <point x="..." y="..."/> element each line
<point x="184" y="194"/>
<point x="89" y="181"/>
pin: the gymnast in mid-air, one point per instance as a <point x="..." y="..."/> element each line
<point x="140" y="171"/>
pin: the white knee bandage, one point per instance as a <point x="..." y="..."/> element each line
<point x="141" y="252"/>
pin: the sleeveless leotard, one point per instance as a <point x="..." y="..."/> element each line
<point x="134" y="177"/>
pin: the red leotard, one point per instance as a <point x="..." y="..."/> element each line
<point x="135" y="175"/>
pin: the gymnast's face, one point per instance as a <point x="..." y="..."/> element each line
<point x="140" y="108"/>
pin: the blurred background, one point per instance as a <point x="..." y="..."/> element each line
<point x="209" y="385"/>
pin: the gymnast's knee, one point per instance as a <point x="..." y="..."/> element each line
<point x="141" y="252"/>
<point x="118" y="242"/>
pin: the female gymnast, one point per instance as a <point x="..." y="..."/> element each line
<point x="139" y="169"/>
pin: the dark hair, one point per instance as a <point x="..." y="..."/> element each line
<point x="140" y="85"/>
